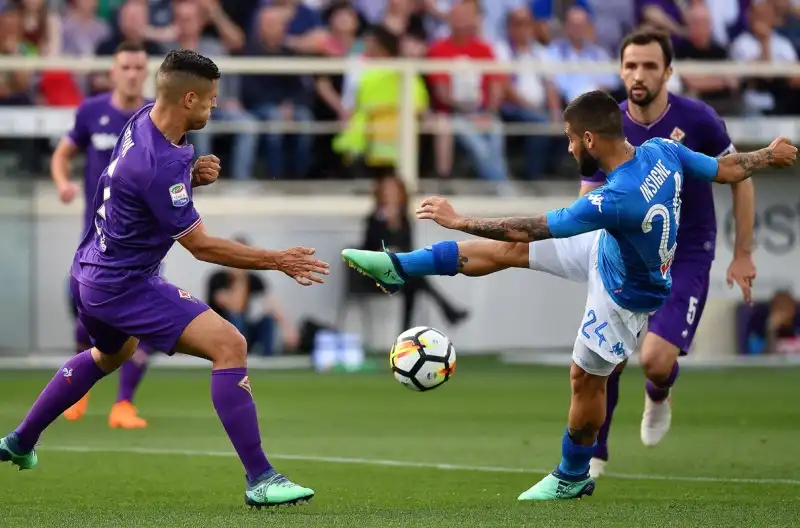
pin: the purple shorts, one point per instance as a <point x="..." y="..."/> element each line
<point x="677" y="320"/>
<point x="154" y="311"/>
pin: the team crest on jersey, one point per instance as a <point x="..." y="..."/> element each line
<point x="179" y="195"/>
<point x="183" y="294"/>
<point x="677" y="135"/>
<point x="245" y="384"/>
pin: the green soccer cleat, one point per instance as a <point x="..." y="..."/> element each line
<point x="274" y="489"/>
<point x="553" y="487"/>
<point x="8" y="453"/>
<point x="382" y="266"/>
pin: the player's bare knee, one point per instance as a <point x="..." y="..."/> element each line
<point x="231" y="350"/>
<point x="657" y="357"/>
<point x="108" y="363"/>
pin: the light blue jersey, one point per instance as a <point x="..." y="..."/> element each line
<point x="639" y="209"/>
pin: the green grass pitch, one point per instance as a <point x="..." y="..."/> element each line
<point x="379" y="455"/>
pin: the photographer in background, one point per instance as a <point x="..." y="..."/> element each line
<point x="243" y="298"/>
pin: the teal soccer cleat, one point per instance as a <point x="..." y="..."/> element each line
<point x="10" y="453"/>
<point x="274" y="489"/>
<point x="381" y="266"/>
<point x="555" y="487"/>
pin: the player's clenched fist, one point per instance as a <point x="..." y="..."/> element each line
<point x="440" y="211"/>
<point x="205" y="171"/>
<point x="783" y="152"/>
<point x="299" y="264"/>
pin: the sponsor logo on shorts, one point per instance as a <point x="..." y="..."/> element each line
<point x="179" y="195"/>
<point x="618" y="349"/>
<point x="245" y="384"/>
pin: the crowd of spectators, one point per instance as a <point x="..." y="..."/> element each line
<point x="465" y="111"/>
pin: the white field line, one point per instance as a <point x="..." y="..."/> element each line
<point x="406" y="464"/>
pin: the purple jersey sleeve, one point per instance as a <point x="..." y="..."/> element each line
<point x="717" y="141"/>
<point x="79" y="134"/>
<point x="591" y="212"/>
<point x="169" y="197"/>
<point x="598" y="178"/>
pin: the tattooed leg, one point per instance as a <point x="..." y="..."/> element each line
<point x="587" y="410"/>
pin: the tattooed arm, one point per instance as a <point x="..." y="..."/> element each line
<point x="737" y="167"/>
<point x="515" y="229"/>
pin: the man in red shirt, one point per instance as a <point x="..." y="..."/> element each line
<point x="469" y="97"/>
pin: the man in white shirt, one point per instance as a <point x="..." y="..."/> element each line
<point x="762" y="43"/>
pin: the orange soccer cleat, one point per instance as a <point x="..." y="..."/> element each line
<point x="125" y="416"/>
<point x="77" y="411"/>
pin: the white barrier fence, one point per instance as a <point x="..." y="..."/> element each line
<point x="52" y="122"/>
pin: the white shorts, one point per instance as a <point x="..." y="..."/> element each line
<point x="608" y="334"/>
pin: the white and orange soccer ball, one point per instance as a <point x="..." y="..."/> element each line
<point x="422" y="358"/>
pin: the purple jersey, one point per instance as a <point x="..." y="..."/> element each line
<point x="698" y="127"/>
<point x="142" y="205"/>
<point x="98" y="124"/>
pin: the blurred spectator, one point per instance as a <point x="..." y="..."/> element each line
<point x="700" y="46"/>
<point x="389" y="226"/>
<point x="243" y="298"/>
<point x="402" y="17"/>
<point x="372" y="131"/>
<point x="576" y="46"/>
<point x="526" y="99"/>
<point x="787" y="13"/>
<point x="132" y="21"/>
<point x="230" y="21"/>
<point x="763" y="43"/>
<point x="188" y="20"/>
<point x="329" y="104"/>
<point x="279" y="98"/>
<point x="613" y="19"/>
<point x="41" y="27"/>
<point x="663" y="15"/>
<point x="225" y="31"/>
<point x="304" y="31"/>
<point x="14" y="85"/>
<point x="774" y="327"/>
<point x="728" y="18"/>
<point x="83" y="30"/>
<point x="472" y="100"/>
<point x="355" y="5"/>
<point x="132" y="24"/>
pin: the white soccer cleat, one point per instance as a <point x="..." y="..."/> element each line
<point x="656" y="420"/>
<point x="597" y="466"/>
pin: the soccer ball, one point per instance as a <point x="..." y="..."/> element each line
<point x="422" y="358"/>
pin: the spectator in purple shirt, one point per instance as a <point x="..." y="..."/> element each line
<point x="664" y="15"/>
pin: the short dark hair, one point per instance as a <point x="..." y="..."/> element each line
<point x="386" y="39"/>
<point x="645" y="37"/>
<point x="181" y="71"/>
<point x="129" y="46"/>
<point x="191" y="63"/>
<point x="595" y="112"/>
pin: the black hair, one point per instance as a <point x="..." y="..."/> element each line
<point x="181" y="71"/>
<point x="191" y="63"/>
<point x="386" y="39"/>
<point x="645" y="37"/>
<point x="129" y="46"/>
<point x="596" y="112"/>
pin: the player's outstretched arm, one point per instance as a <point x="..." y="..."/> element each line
<point x="297" y="262"/>
<point x="513" y="229"/>
<point x="739" y="166"/>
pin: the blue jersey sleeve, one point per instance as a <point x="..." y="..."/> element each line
<point x="694" y="164"/>
<point x="591" y="212"/>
